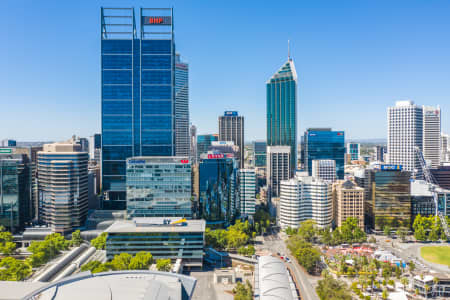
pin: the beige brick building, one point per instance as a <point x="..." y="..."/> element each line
<point x="348" y="201"/>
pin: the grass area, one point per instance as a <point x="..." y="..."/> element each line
<point x="436" y="254"/>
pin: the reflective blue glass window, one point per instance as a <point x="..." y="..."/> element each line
<point x="156" y="61"/>
<point x="155" y="138"/>
<point x="117" y="122"/>
<point x="154" y="107"/>
<point x="156" y="77"/>
<point x="114" y="167"/>
<point x="117" y="107"/>
<point x="156" y="46"/>
<point x="117" y="138"/>
<point x="156" y="150"/>
<point x="117" y="152"/>
<point x="116" y="91"/>
<point x="119" y="77"/>
<point x="157" y="122"/>
<point x="156" y="92"/>
<point x="116" y="61"/>
<point x="116" y="46"/>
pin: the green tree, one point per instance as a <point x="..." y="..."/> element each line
<point x="308" y="230"/>
<point x="49" y="248"/>
<point x="121" y="261"/>
<point x="330" y="288"/>
<point x="384" y="294"/>
<point x="12" y="269"/>
<point x="404" y="281"/>
<point x="100" y="242"/>
<point x="387" y="230"/>
<point x="76" y="238"/>
<point x="412" y="266"/>
<point x="141" y="261"/>
<point x="7" y="246"/>
<point x="243" y="291"/>
<point x="163" y="265"/>
<point x="308" y="257"/>
<point x="95" y="266"/>
<point x="401" y="233"/>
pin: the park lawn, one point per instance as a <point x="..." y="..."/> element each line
<point x="436" y="254"/>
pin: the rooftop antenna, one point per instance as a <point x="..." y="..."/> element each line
<point x="289" y="51"/>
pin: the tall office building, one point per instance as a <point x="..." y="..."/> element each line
<point x="278" y="167"/>
<point x="322" y="143"/>
<point x="95" y="147"/>
<point x="84" y="143"/>
<point x="259" y="153"/>
<point x="63" y="185"/>
<point x="159" y="187"/>
<point x="281" y="91"/>
<point x="15" y="191"/>
<point x="354" y="150"/>
<point x="445" y="148"/>
<point x="231" y="128"/>
<point x="193" y="143"/>
<point x="432" y="136"/>
<point x="247" y="191"/>
<point x="348" y="202"/>
<point x="138" y="92"/>
<point x="204" y="141"/>
<point x="182" y="143"/>
<point x="324" y="169"/>
<point x="305" y="198"/>
<point x="217" y="188"/>
<point x="405" y="133"/>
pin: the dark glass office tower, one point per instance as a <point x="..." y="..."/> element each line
<point x="322" y="143"/>
<point x="282" y="110"/>
<point x="138" y="92"/>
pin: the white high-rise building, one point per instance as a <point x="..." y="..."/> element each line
<point x="304" y="198"/>
<point x="432" y="136"/>
<point x="247" y="191"/>
<point x="324" y="169"/>
<point x="405" y="133"/>
<point x="277" y="169"/>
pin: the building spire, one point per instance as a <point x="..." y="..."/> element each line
<point x="289" y="51"/>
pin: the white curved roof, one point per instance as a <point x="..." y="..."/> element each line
<point x="273" y="279"/>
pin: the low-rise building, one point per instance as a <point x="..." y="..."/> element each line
<point x="162" y="237"/>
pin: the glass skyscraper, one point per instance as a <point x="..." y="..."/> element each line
<point x="138" y="93"/>
<point x="217" y="188"/>
<point x="182" y="142"/>
<point x="259" y="153"/>
<point x="15" y="188"/>
<point x="322" y="143"/>
<point x="282" y="110"/>
<point x="159" y="187"/>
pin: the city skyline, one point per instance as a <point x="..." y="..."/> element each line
<point x="335" y="81"/>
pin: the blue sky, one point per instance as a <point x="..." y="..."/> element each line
<point x="353" y="59"/>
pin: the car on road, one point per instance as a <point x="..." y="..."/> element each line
<point x="288" y="260"/>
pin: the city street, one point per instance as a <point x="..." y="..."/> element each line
<point x="273" y="243"/>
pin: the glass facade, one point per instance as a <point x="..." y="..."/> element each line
<point x="15" y="193"/>
<point x="138" y="93"/>
<point x="159" y="187"/>
<point x="325" y="144"/>
<point x="259" y="154"/>
<point x="204" y="141"/>
<point x="281" y="91"/>
<point x="217" y="185"/>
<point x="391" y="198"/>
<point x="182" y="143"/>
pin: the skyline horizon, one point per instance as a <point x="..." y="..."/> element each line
<point x="377" y="67"/>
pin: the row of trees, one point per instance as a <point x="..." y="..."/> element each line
<point x="125" y="261"/>
<point x="300" y="246"/>
<point x="49" y="248"/>
<point x="7" y="246"/>
<point x="100" y="242"/>
<point x="234" y="237"/>
<point x="428" y="228"/>
<point x="247" y="251"/>
<point x="349" y="233"/>
<point x="12" y="269"/>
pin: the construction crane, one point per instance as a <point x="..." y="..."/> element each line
<point x="432" y="183"/>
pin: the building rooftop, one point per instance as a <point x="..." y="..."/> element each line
<point x="130" y="285"/>
<point x="156" y="225"/>
<point x="273" y="279"/>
